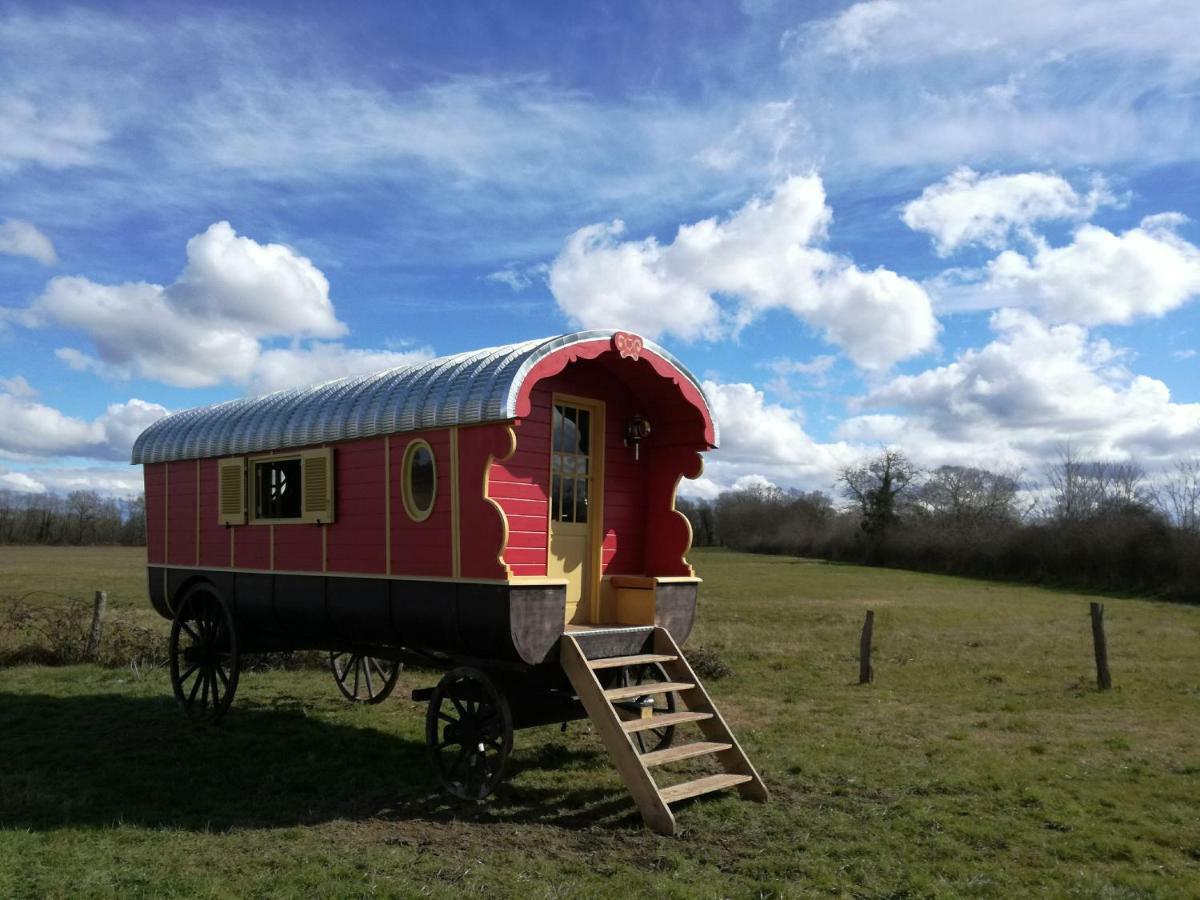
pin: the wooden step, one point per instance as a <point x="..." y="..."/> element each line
<point x="648" y="689"/>
<point x="706" y="785"/>
<point x="614" y="662"/>
<point x="683" y="751"/>
<point x="662" y="720"/>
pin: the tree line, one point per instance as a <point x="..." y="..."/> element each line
<point x="1086" y="523"/>
<point x="77" y="518"/>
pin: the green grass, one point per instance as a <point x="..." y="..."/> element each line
<point x="982" y="762"/>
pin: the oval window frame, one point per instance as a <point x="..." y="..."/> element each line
<point x="410" y="452"/>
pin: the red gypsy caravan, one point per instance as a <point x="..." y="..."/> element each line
<point x="507" y="514"/>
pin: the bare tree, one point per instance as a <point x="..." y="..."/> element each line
<point x="967" y="497"/>
<point x="1178" y="496"/>
<point x="83" y="509"/>
<point x="876" y="486"/>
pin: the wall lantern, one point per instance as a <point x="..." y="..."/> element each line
<point x="637" y="430"/>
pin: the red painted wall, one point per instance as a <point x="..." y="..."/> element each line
<point x="356" y="538"/>
<point x="298" y="547"/>
<point x="181" y="513"/>
<point x="421" y="548"/>
<point x="214" y="537"/>
<point x="251" y="547"/>
<point x="156" y="550"/>
<point x="521" y="485"/>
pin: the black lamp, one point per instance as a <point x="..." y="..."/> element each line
<point x="637" y="430"/>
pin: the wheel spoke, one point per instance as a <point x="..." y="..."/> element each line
<point x="367" y="672"/>
<point x="195" y="688"/>
<point x="354" y="661"/>
<point x="188" y="628"/>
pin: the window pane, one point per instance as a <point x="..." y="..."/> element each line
<point x="581" y="500"/>
<point x="277" y="489"/>
<point x="566" y="432"/>
<point x="555" y="492"/>
<point x="568" y="500"/>
<point x="584" y="431"/>
<point x="421" y="480"/>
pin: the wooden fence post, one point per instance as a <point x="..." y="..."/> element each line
<point x="1103" y="677"/>
<point x="98" y="605"/>
<point x="865" y="673"/>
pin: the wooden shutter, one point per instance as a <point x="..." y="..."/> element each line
<point x="231" y="505"/>
<point x="317" y="492"/>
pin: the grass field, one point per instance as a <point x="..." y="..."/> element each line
<point x="982" y="762"/>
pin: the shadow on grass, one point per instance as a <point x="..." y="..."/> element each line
<point x="106" y="759"/>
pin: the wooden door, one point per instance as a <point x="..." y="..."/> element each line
<point x="576" y="487"/>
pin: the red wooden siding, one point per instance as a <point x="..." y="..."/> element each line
<point x="181" y="513"/>
<point x="214" y="537"/>
<point x="298" y="547"/>
<point x="519" y="486"/>
<point x="421" y="548"/>
<point x="251" y="547"/>
<point x="356" y="539"/>
<point x="482" y="524"/>
<point x="156" y="549"/>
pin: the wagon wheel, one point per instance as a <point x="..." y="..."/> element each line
<point x="469" y="733"/>
<point x="205" y="662"/>
<point x="364" y="679"/>
<point x="650" y="673"/>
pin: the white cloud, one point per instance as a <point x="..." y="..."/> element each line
<point x="761" y="440"/>
<point x="110" y="481"/>
<point x="518" y="278"/>
<point x="969" y="208"/>
<point x="29" y="429"/>
<point x="319" y="362"/>
<point x="1184" y="354"/>
<point x="1020" y="397"/>
<point x="19" y="481"/>
<point x="760" y="258"/>
<point x="1098" y="278"/>
<point x="21" y="238"/>
<point x="17" y="386"/>
<point x="900" y="32"/>
<point x="47" y="132"/>
<point x="204" y="328"/>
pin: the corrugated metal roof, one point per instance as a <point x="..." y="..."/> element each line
<point x="464" y="389"/>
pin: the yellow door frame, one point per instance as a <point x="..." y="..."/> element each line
<point x="595" y="522"/>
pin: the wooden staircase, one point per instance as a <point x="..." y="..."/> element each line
<point x="618" y="734"/>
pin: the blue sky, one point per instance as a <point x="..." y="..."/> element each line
<point x="958" y="228"/>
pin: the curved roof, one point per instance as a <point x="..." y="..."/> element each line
<point x="464" y="389"/>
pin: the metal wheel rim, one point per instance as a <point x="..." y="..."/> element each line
<point x="652" y="673"/>
<point x="205" y="661"/>
<point x="363" y="679"/>
<point x="468" y="733"/>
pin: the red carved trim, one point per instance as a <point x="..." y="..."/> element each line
<point x="628" y="345"/>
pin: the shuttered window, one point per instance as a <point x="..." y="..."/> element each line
<point x="318" y="485"/>
<point x="231" y="504"/>
<point x="288" y="489"/>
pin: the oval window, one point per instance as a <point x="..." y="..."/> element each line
<point x="420" y="481"/>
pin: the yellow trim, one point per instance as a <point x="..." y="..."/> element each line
<point x="387" y="503"/>
<point x="456" y="536"/>
<point x="516" y="580"/>
<point x="250" y="486"/>
<point x="688" y="522"/>
<point x="595" y="522"/>
<point x="410" y="451"/>
<point x="487" y="477"/>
